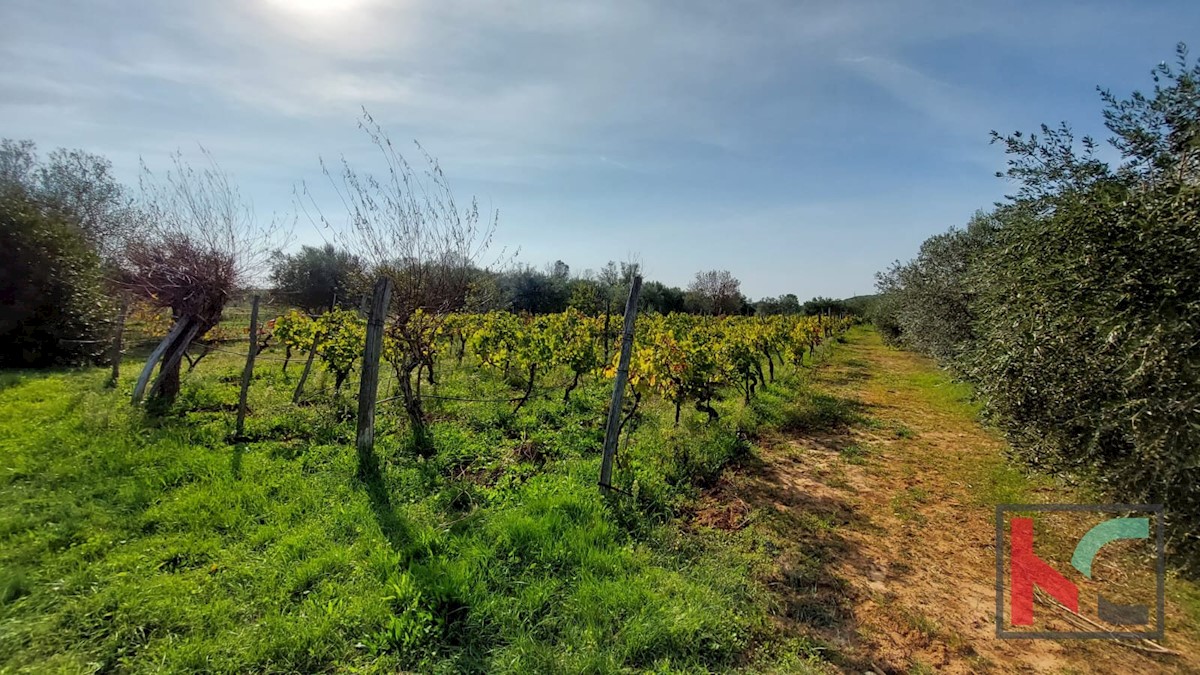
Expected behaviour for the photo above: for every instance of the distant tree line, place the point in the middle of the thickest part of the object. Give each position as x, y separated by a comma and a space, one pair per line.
1075, 305
317, 278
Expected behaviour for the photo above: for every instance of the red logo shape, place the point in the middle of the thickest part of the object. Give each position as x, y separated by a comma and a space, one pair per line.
1028, 570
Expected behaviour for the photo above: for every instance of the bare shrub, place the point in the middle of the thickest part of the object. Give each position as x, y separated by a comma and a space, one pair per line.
198, 244
407, 225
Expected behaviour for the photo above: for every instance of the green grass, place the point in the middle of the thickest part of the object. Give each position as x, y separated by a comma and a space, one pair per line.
992, 478
919, 667
905, 503
856, 454
944, 392
142, 545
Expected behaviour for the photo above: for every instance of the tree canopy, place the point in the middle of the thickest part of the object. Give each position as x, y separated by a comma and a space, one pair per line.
1074, 306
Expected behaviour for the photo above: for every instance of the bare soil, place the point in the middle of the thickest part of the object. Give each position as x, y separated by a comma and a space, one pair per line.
889, 554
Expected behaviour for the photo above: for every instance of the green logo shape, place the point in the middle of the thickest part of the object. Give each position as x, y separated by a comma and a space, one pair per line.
1103, 533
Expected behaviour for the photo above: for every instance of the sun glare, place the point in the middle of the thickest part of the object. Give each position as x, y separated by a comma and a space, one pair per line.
317, 9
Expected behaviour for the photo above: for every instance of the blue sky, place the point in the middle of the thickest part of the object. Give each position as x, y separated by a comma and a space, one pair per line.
802, 146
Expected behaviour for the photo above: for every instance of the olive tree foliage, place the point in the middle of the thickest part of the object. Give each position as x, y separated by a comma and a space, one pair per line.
823, 305
52, 307
928, 299
317, 279
198, 245
64, 219
1157, 134
784, 304
1086, 347
1075, 307
658, 297
76, 187
406, 224
526, 289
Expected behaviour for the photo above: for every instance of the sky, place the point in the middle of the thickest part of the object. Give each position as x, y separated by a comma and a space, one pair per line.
803, 146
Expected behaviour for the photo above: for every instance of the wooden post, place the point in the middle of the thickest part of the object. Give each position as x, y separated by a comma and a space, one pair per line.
249, 371
613, 430
172, 358
312, 351
117, 338
368, 387
139, 389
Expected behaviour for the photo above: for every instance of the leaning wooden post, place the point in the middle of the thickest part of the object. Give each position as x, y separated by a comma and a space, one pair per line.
118, 335
249, 371
139, 389
312, 351
368, 387
613, 430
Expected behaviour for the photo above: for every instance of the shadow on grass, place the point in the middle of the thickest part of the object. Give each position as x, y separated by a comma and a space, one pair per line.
12, 378
849, 375
815, 532
394, 528
818, 411
235, 461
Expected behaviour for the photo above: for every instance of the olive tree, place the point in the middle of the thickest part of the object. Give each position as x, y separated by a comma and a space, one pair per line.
929, 297
1074, 307
75, 187
317, 278
66, 221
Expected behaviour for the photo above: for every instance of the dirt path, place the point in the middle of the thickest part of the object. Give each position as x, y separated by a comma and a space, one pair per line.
890, 557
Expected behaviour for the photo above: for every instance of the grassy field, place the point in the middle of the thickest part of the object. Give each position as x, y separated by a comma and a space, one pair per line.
129, 544
806, 532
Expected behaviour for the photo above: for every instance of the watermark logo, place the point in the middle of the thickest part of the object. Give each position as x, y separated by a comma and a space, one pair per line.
1124, 600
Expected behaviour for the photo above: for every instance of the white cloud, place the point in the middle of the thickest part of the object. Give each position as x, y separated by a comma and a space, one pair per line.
529, 74
576, 113
951, 106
